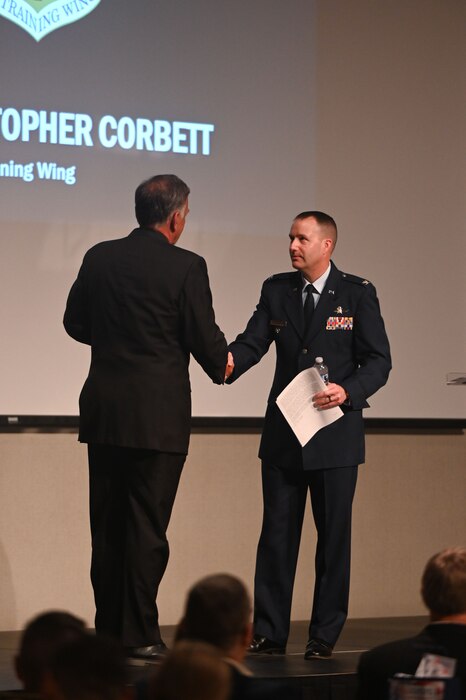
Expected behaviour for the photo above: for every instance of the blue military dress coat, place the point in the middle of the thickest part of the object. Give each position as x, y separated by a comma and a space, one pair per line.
348, 331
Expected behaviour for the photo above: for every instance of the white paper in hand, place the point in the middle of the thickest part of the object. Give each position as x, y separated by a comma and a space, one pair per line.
295, 402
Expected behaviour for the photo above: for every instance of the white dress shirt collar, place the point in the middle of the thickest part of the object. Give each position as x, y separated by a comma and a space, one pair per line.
318, 285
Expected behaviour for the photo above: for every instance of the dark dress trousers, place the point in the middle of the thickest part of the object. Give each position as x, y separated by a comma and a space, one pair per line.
403, 656
347, 330
144, 306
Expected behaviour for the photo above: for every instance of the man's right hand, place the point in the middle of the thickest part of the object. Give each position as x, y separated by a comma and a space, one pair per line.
230, 366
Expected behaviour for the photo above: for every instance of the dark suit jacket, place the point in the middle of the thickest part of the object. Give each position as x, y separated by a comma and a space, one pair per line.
347, 330
254, 688
404, 655
143, 305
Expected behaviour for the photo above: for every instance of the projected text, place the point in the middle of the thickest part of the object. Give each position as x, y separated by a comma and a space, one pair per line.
77, 129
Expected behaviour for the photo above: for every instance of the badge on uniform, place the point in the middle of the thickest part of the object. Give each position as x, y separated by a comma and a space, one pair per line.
339, 323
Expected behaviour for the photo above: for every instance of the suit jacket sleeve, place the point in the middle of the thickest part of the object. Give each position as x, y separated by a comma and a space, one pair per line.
251, 345
77, 313
202, 337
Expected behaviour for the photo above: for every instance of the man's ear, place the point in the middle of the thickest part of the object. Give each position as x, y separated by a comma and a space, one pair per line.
328, 244
49, 687
172, 222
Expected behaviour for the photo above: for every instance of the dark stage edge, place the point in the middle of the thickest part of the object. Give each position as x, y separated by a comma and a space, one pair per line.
331, 679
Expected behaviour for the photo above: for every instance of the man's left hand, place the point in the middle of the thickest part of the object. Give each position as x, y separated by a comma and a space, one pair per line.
333, 395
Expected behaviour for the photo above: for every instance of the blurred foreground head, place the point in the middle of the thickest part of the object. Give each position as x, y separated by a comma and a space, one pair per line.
218, 612
90, 668
43, 636
192, 671
443, 585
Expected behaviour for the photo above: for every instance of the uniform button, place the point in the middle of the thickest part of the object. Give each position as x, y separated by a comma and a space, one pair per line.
304, 351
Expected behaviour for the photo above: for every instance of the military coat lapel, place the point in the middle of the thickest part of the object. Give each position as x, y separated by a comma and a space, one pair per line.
294, 303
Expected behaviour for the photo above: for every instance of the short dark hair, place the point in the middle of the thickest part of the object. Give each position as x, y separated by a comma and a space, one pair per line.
89, 668
324, 220
192, 670
40, 641
218, 609
443, 585
159, 197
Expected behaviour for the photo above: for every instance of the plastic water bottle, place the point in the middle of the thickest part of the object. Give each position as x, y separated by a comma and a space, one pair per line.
322, 369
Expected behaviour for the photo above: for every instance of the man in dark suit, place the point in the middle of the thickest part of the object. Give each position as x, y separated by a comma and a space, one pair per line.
340, 322
443, 591
143, 305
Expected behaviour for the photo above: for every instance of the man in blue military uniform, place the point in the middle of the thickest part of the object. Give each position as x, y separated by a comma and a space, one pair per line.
340, 322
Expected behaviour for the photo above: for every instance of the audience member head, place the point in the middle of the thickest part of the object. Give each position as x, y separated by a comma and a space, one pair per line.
89, 668
443, 586
40, 641
159, 198
218, 611
192, 671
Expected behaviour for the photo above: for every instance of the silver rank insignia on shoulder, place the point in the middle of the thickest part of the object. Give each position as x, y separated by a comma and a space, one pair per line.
365, 281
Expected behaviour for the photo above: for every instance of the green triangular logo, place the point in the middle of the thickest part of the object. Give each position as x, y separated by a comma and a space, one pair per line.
40, 17
38, 5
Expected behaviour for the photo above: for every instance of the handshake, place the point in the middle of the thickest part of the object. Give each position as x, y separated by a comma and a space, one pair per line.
230, 366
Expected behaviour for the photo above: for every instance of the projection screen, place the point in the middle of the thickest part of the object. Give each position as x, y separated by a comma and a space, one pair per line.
265, 109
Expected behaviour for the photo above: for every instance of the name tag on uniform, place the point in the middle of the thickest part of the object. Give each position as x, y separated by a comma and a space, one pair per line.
339, 323
277, 325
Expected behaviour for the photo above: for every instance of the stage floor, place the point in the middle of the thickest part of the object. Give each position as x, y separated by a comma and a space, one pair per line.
332, 678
